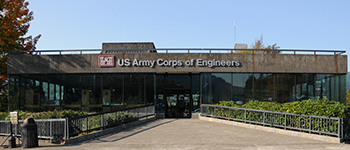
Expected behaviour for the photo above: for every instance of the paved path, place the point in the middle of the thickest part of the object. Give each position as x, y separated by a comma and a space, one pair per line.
196, 134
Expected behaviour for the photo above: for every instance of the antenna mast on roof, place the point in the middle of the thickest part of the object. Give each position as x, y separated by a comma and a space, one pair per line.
235, 30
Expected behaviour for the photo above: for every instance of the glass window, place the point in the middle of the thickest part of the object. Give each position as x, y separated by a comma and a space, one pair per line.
221, 85
134, 89
178, 81
324, 86
284, 84
205, 88
14, 92
113, 90
150, 89
332, 88
160, 93
195, 92
46, 91
242, 87
342, 88
52, 91
50, 87
91, 92
72, 93
32, 93
264, 87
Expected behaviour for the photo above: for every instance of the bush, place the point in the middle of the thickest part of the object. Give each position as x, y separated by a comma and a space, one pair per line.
3, 115
348, 99
45, 115
307, 107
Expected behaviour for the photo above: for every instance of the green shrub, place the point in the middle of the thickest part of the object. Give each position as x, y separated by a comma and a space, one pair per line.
307, 107
45, 115
348, 99
3, 115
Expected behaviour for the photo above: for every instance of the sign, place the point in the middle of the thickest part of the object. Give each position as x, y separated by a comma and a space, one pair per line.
106, 60
14, 117
178, 63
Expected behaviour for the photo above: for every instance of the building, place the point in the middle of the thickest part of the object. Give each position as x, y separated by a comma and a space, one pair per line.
176, 81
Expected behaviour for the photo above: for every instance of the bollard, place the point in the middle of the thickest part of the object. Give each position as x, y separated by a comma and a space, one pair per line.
29, 133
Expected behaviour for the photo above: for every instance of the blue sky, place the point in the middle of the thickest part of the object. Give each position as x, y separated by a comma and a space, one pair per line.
297, 24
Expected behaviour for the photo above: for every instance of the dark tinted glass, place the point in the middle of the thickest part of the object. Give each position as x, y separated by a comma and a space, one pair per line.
72, 93
242, 87
221, 86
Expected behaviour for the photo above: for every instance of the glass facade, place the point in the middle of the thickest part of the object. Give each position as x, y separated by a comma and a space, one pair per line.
243, 87
108, 91
87, 92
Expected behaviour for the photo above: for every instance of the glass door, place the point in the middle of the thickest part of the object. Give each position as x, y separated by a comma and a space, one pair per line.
178, 103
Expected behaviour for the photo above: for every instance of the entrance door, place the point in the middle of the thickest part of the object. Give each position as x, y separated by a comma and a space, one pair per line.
178, 103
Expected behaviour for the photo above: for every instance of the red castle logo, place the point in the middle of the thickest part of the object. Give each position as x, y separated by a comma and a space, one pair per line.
106, 60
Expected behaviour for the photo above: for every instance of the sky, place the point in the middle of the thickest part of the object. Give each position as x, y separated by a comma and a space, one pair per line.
86, 24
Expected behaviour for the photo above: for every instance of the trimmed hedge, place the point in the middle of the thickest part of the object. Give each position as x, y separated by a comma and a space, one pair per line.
307, 107
44, 115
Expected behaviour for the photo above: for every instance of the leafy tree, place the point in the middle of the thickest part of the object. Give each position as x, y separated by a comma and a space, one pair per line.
14, 24
348, 99
261, 48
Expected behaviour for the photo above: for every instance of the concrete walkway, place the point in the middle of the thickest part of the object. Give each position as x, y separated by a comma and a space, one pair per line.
196, 134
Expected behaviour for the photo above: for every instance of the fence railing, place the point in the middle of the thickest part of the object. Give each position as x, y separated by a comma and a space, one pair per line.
47, 128
307, 123
63, 129
179, 50
98, 121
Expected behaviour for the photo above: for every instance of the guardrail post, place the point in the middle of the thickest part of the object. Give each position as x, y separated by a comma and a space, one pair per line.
310, 124
214, 111
101, 120
51, 130
15, 129
339, 121
65, 129
285, 121
264, 118
8, 128
86, 122
229, 113
245, 115
342, 128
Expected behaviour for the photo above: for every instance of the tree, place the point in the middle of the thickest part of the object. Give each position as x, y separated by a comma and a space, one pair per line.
261, 48
14, 24
348, 99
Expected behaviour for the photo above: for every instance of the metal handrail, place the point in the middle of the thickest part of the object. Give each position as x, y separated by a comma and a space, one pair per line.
289, 119
77, 125
275, 112
169, 50
101, 113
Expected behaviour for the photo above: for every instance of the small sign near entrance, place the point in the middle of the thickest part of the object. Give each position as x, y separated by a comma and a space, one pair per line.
14, 117
106, 60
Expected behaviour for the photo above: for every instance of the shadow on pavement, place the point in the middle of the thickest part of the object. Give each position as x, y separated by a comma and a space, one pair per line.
99, 139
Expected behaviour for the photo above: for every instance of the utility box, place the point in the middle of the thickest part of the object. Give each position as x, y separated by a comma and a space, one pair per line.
29, 133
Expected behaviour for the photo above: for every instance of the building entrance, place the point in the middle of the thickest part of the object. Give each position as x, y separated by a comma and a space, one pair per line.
178, 103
